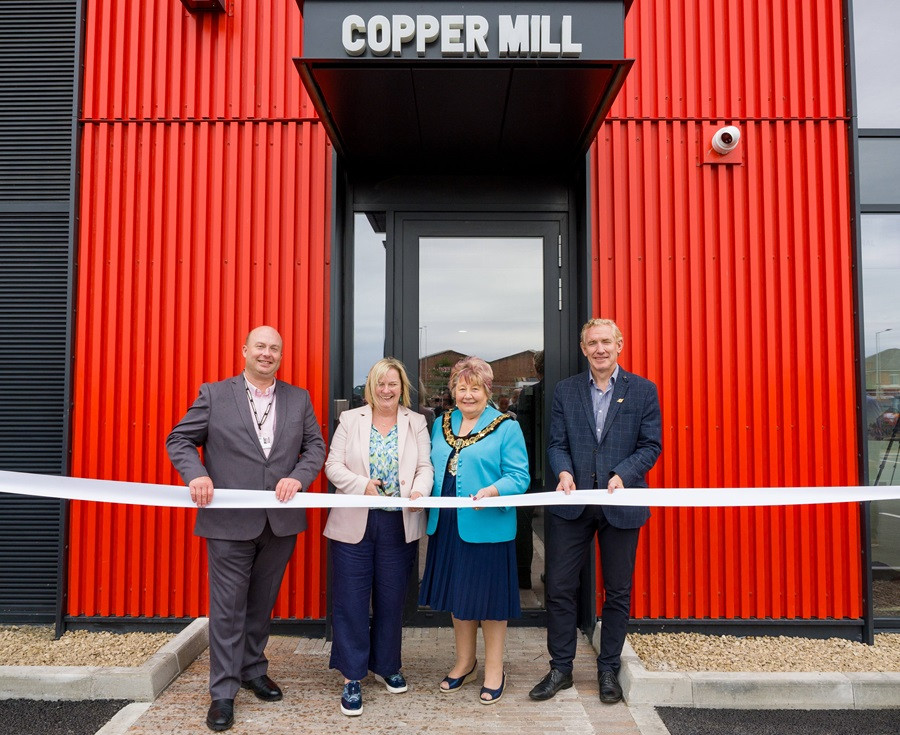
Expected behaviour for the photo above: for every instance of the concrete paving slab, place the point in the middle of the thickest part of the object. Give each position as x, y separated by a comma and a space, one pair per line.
312, 694
188, 644
771, 691
123, 719
642, 687
46, 682
875, 690
648, 720
654, 688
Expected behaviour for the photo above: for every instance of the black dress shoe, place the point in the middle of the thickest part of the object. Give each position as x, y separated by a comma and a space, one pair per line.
264, 688
220, 715
550, 685
610, 690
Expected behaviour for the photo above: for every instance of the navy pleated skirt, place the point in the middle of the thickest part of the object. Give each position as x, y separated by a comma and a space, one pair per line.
472, 581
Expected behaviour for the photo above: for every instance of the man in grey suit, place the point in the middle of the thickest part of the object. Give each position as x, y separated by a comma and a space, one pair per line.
605, 432
257, 433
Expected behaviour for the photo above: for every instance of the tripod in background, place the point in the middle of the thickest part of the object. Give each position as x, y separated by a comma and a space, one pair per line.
887, 453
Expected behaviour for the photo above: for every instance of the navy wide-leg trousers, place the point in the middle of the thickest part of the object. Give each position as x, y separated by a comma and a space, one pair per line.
375, 571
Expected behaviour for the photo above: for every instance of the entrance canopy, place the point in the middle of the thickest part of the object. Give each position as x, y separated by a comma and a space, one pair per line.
449, 86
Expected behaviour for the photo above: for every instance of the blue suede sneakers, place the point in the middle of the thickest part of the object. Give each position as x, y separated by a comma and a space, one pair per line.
351, 699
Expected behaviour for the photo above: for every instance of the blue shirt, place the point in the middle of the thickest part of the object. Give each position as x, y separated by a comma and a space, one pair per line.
601, 399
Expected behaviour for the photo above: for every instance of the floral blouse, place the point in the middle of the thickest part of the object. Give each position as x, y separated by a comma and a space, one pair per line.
384, 462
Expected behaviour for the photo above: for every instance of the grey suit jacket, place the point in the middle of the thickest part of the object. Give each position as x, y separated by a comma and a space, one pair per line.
221, 423
629, 446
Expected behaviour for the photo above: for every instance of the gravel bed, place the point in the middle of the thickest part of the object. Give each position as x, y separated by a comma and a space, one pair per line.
27, 645
696, 652
35, 646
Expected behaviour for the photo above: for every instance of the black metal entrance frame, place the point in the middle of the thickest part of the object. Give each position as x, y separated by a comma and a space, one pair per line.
445, 141
407, 207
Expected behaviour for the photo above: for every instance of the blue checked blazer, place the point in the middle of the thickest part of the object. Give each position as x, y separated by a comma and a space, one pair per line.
629, 446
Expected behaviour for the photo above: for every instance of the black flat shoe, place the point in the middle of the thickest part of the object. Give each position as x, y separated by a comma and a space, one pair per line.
264, 688
221, 714
550, 685
610, 689
453, 684
494, 693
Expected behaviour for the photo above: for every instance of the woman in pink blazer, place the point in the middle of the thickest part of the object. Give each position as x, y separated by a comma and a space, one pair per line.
381, 448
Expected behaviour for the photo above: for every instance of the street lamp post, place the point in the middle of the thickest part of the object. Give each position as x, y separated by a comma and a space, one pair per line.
878, 362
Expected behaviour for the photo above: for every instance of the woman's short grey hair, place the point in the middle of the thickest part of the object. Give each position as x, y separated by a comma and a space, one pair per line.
472, 370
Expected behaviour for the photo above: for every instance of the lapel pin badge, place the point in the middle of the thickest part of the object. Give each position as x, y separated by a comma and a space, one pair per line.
620, 400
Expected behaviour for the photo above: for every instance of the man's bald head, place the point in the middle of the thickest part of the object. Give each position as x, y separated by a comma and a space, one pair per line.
262, 355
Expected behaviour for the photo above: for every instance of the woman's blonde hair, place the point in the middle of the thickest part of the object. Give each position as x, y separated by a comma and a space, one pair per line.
378, 371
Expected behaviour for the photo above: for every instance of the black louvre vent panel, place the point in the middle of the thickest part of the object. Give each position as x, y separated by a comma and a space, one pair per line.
37, 63
29, 558
33, 285
38, 83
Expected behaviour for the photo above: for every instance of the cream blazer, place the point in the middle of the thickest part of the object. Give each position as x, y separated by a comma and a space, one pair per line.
347, 467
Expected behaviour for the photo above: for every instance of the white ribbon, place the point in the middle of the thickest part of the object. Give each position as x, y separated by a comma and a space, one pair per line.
143, 493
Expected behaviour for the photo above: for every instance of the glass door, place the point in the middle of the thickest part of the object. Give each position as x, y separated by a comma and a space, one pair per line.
484, 296
488, 287
432, 289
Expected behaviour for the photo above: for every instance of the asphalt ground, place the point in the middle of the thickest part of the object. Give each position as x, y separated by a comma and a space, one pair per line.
34, 717
37, 717
685, 721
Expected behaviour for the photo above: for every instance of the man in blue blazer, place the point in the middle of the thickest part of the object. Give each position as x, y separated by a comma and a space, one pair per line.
605, 432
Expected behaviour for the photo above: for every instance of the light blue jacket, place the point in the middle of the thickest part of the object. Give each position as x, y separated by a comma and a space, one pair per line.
499, 459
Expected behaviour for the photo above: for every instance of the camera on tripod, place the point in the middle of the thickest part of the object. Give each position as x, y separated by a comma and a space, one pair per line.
885, 427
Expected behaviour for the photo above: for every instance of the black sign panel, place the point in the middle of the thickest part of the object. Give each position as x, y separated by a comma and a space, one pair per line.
340, 29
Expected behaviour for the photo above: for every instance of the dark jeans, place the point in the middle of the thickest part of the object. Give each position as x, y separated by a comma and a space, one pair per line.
568, 544
375, 570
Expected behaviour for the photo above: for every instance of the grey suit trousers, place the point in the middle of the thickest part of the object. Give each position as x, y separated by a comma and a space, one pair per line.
244, 579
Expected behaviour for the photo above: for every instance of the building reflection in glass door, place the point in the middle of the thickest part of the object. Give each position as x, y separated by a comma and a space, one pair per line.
484, 296
369, 289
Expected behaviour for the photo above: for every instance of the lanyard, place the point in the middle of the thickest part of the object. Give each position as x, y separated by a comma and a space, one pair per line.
259, 421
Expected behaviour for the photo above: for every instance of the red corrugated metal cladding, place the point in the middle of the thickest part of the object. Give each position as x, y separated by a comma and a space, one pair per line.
733, 285
204, 211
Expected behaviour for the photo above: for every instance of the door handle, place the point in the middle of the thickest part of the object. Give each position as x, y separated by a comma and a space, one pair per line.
340, 405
